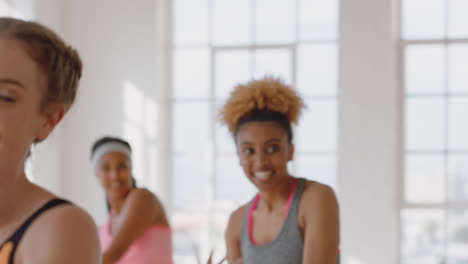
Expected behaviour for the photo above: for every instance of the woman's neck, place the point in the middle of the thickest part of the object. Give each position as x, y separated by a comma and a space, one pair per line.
11, 186
277, 197
116, 205
16, 194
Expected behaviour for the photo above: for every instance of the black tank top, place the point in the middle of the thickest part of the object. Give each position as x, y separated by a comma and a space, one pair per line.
8, 248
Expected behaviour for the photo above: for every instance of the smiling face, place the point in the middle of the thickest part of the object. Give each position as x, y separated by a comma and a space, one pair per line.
114, 172
22, 121
264, 152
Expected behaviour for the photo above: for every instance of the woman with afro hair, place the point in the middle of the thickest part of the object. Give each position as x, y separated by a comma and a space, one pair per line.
291, 219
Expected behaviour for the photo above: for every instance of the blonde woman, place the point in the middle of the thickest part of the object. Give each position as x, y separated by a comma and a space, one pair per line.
39, 77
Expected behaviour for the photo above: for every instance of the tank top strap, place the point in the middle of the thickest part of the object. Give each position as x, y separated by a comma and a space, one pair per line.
291, 206
19, 233
287, 247
298, 192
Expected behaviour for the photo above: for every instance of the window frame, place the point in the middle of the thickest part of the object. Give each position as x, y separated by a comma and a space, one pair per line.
446, 152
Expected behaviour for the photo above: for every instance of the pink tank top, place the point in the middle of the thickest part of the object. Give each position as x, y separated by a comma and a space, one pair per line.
153, 246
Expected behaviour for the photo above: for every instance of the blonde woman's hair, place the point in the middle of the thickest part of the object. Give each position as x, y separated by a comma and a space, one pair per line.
60, 63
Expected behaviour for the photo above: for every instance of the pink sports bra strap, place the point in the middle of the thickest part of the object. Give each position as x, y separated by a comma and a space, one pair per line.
254, 206
291, 194
250, 219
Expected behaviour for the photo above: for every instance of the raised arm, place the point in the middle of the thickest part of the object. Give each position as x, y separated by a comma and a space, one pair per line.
319, 211
232, 236
141, 209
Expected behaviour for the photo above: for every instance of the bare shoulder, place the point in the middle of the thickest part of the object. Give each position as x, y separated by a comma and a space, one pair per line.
235, 222
232, 236
319, 223
317, 189
64, 234
317, 196
65, 218
142, 195
141, 199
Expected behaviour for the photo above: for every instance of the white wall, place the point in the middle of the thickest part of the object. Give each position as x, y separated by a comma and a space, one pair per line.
116, 40
368, 155
48, 167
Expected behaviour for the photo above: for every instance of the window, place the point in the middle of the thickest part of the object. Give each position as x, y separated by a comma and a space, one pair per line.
217, 44
7, 8
434, 52
140, 129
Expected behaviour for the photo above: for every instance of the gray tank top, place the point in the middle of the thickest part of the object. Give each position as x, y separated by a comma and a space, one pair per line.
286, 248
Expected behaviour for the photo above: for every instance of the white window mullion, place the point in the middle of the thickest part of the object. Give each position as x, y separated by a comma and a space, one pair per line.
165, 84
367, 146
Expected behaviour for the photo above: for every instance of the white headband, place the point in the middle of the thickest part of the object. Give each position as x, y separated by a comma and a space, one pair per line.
110, 147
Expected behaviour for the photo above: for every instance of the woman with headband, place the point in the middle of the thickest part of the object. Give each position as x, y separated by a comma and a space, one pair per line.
290, 220
39, 76
137, 230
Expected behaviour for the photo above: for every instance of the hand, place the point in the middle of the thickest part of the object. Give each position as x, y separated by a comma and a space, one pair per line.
238, 261
107, 259
210, 259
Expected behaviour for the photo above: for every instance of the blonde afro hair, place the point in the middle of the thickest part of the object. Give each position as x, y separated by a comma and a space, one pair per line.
268, 94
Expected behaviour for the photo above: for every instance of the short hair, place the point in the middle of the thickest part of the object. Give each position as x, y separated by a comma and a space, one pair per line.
60, 63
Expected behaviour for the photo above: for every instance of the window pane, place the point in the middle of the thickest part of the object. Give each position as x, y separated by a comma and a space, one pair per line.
232, 22
274, 21
458, 237
424, 124
191, 73
190, 22
133, 103
458, 177
321, 168
13, 10
317, 70
317, 129
232, 68
220, 222
318, 20
224, 140
424, 69
276, 62
152, 168
424, 178
190, 185
458, 123
151, 118
423, 19
422, 236
458, 19
231, 183
189, 236
191, 127
458, 68
4, 8
135, 137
